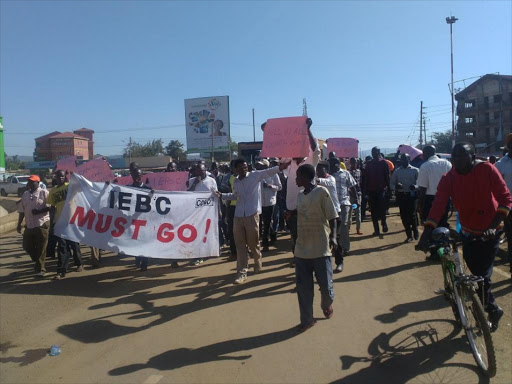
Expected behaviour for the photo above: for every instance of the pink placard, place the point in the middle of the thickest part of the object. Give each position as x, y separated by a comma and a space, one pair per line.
162, 181
123, 180
286, 137
67, 164
95, 170
343, 146
167, 181
411, 151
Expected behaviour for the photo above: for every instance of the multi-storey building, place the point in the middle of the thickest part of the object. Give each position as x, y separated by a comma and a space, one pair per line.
58, 145
484, 113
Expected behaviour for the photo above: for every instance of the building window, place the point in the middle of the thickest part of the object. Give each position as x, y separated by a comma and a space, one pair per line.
470, 134
469, 120
497, 98
486, 101
486, 118
497, 115
469, 104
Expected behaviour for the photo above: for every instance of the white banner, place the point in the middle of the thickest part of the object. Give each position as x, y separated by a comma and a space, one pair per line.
206, 116
136, 222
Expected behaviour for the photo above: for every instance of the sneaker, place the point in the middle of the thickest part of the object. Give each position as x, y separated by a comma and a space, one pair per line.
59, 276
339, 268
494, 318
359, 232
257, 269
174, 264
79, 268
198, 261
41, 274
328, 312
385, 228
241, 278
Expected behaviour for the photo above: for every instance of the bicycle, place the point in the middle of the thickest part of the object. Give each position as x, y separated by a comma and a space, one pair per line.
461, 292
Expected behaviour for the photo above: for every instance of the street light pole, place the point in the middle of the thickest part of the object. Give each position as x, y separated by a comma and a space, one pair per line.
451, 20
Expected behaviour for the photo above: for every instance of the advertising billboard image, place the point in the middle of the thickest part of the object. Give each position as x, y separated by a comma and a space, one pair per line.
207, 118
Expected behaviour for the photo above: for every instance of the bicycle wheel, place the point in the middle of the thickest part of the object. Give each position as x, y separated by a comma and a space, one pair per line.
478, 332
449, 295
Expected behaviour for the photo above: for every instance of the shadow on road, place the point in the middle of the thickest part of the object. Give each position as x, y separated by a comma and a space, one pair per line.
183, 357
401, 310
381, 272
418, 351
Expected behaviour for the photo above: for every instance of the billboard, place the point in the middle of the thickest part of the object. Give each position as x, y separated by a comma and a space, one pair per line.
207, 124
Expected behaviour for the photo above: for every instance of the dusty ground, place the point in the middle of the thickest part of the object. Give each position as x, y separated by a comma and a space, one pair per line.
117, 325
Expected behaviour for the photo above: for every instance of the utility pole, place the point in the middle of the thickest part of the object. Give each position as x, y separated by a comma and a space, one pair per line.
421, 125
130, 150
425, 130
253, 127
451, 20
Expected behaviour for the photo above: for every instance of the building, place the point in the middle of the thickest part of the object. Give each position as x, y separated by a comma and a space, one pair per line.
58, 145
484, 113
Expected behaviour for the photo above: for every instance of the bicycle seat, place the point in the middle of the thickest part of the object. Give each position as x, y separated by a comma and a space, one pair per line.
441, 234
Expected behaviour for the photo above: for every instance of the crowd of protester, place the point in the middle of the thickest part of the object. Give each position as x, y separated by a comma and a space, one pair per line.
316, 202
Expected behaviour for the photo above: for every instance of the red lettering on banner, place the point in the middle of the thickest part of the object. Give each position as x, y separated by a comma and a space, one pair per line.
165, 237
82, 219
137, 224
119, 223
191, 237
100, 227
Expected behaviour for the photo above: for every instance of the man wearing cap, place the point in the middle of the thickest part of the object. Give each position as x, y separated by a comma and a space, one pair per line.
504, 166
33, 207
269, 188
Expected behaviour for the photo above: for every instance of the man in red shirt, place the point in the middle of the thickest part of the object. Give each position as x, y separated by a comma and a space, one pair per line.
483, 201
377, 186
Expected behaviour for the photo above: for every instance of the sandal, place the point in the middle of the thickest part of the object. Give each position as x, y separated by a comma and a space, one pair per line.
328, 312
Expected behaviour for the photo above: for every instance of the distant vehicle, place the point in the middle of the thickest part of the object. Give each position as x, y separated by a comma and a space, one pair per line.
14, 185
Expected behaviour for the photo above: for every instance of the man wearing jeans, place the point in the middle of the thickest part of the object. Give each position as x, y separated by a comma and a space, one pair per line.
65, 248
345, 187
34, 209
316, 215
505, 168
482, 199
247, 192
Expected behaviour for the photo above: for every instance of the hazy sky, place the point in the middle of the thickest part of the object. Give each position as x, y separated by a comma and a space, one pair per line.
123, 68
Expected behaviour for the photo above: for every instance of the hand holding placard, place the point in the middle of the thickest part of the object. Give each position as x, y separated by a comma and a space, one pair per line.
286, 137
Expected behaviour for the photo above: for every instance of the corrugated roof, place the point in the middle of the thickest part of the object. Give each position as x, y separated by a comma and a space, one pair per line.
483, 78
66, 135
48, 135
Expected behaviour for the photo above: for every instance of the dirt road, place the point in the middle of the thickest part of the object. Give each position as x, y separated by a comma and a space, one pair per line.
192, 325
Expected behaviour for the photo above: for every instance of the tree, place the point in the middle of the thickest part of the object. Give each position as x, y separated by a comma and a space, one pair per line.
152, 148
13, 163
443, 141
175, 150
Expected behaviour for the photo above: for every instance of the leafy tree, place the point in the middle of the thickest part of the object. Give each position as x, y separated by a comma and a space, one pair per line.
151, 148
175, 150
443, 141
13, 163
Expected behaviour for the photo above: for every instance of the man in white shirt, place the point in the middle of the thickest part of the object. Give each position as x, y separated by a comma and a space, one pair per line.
269, 188
247, 192
429, 176
504, 166
345, 188
202, 183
